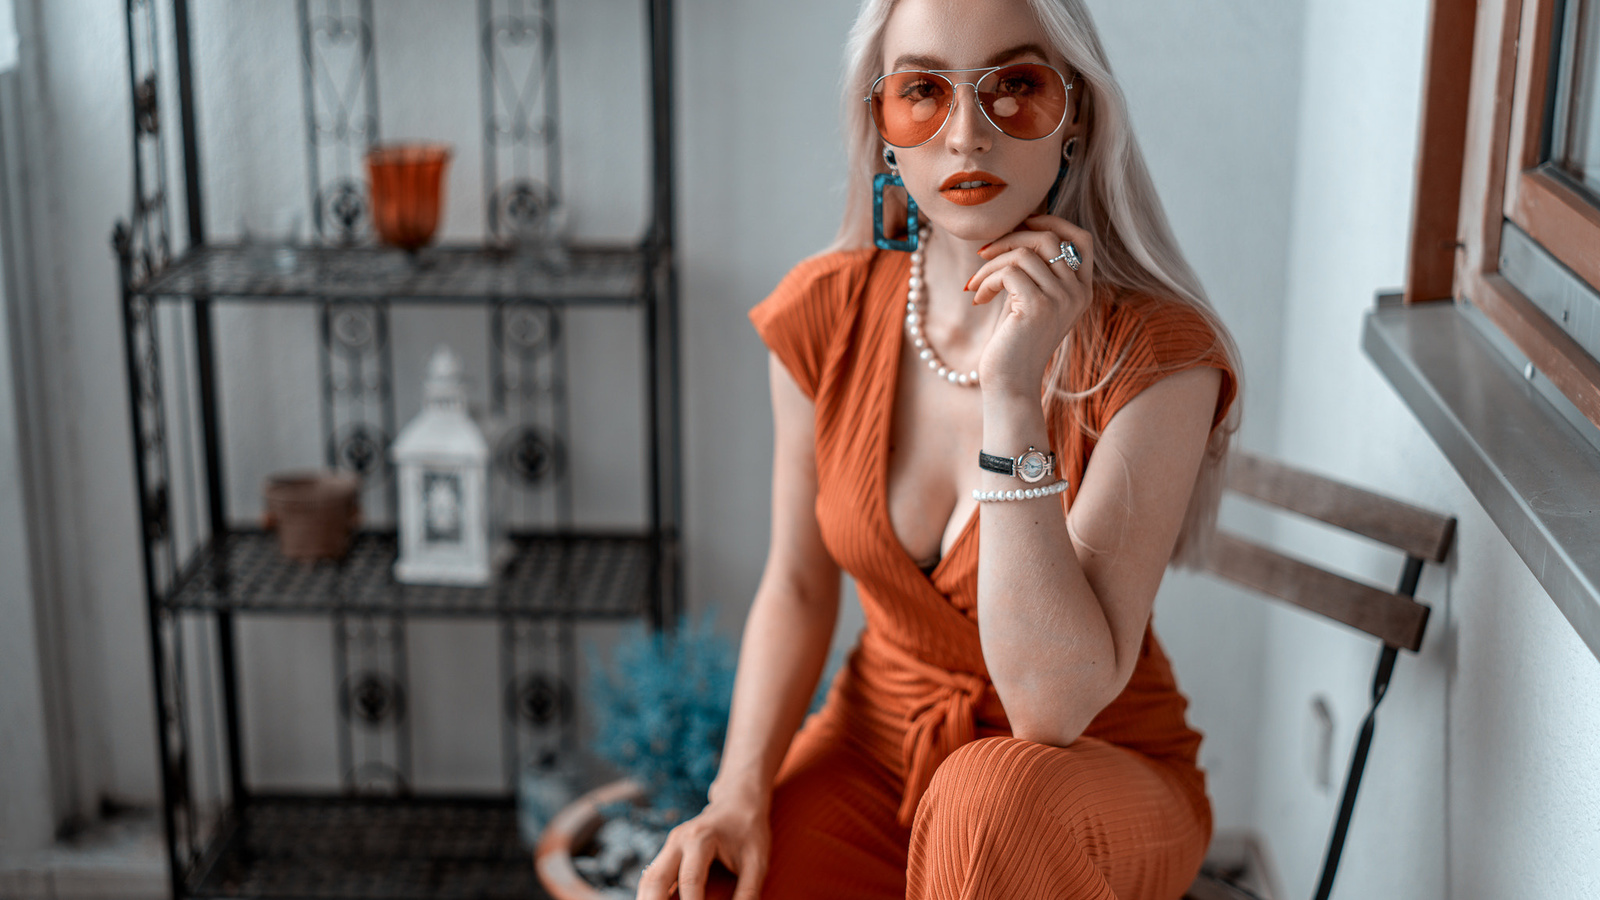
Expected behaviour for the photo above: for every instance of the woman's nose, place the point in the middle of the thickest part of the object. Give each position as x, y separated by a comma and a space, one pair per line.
969, 129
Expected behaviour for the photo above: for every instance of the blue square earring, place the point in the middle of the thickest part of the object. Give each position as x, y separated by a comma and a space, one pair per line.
879, 236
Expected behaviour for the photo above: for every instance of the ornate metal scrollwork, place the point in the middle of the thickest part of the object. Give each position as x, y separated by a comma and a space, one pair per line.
529, 328
539, 699
522, 162
362, 448
146, 104
339, 81
342, 211
356, 329
373, 699
532, 455
522, 211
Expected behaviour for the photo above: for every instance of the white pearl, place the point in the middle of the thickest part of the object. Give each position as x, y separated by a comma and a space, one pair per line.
1011, 495
962, 380
912, 318
943, 371
926, 354
933, 363
917, 341
973, 375
954, 377
916, 282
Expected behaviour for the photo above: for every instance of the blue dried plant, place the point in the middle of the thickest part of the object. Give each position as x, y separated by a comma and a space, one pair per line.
661, 712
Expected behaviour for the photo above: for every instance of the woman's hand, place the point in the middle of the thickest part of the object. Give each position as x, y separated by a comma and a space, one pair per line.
736, 833
1043, 300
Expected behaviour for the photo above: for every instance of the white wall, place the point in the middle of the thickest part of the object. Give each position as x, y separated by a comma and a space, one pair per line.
1482, 778
26, 817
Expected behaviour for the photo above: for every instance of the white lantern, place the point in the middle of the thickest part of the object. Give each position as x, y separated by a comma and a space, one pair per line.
448, 533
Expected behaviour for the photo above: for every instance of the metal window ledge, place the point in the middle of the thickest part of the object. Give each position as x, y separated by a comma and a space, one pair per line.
1535, 470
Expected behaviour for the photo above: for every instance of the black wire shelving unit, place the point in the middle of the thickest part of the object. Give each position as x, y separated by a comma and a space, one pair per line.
378, 835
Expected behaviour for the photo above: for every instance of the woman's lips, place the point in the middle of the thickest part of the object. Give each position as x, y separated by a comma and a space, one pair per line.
973, 196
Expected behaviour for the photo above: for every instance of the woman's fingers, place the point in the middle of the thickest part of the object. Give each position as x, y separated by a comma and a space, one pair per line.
752, 872
1066, 232
657, 880
991, 281
695, 869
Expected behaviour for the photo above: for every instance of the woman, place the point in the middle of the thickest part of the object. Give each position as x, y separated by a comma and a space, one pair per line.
1008, 725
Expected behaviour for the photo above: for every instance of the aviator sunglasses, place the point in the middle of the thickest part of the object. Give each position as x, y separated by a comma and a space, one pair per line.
1027, 101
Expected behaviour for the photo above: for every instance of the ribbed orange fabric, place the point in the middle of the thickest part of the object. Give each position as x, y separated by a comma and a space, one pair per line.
892, 775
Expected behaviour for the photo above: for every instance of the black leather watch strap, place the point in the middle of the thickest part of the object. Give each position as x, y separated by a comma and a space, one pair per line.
1004, 465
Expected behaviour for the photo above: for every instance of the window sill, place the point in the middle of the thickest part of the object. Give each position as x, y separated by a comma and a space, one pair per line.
1534, 471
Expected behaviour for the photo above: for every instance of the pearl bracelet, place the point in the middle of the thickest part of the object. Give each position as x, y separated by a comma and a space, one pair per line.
1048, 490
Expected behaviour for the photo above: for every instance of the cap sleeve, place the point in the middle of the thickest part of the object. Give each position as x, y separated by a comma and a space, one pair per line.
798, 320
1161, 338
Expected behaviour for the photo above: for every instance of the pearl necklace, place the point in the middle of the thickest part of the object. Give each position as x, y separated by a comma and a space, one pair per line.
916, 311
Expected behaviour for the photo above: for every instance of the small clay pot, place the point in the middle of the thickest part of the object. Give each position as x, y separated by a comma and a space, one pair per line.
569, 831
314, 512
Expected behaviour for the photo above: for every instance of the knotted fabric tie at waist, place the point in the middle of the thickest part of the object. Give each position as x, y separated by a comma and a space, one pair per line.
943, 710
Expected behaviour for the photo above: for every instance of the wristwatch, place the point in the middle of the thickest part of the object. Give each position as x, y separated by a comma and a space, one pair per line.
1032, 466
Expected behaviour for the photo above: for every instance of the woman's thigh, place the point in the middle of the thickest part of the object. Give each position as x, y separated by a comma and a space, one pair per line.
834, 832
1010, 818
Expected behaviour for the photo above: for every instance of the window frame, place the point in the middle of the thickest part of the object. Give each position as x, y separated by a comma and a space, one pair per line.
1481, 138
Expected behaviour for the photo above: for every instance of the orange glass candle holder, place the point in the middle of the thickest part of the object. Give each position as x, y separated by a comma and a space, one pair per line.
407, 184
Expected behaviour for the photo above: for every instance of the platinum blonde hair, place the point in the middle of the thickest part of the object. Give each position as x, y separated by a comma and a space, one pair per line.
1109, 193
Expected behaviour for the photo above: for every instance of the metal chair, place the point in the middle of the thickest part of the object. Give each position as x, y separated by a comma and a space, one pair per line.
1394, 618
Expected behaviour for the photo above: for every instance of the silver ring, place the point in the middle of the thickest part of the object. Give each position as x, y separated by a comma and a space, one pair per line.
1070, 254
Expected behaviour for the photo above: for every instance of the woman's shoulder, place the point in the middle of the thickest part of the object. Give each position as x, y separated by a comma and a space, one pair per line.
802, 315
842, 268
1152, 335
1164, 329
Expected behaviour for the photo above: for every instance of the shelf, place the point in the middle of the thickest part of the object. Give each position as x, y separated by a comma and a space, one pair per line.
306, 847
587, 576
614, 274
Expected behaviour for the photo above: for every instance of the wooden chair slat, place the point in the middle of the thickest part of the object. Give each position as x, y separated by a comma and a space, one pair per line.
1410, 529
1394, 619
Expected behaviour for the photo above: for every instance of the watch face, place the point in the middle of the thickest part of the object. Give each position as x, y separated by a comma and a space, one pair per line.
1032, 466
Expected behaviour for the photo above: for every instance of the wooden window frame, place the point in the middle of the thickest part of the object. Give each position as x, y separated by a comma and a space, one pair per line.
1483, 117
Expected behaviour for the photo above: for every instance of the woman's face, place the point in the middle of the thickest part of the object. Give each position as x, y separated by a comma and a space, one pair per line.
961, 34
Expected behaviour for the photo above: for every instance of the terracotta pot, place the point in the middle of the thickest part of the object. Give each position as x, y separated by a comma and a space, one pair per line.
569, 831
314, 512
407, 184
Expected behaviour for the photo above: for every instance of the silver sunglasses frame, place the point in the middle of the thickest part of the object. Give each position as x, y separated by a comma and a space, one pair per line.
955, 91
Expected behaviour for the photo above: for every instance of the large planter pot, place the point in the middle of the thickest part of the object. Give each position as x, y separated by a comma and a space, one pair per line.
569, 831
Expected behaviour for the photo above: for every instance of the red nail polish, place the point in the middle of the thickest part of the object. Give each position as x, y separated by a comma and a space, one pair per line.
984, 247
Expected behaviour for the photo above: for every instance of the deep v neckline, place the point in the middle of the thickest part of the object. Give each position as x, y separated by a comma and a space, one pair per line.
885, 430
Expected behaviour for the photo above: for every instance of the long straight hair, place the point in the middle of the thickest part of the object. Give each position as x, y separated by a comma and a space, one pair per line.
1108, 193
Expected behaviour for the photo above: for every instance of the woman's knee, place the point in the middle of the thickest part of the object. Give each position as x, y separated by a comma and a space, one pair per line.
987, 779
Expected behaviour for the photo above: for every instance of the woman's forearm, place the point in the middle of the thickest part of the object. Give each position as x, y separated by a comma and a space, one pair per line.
1046, 639
781, 657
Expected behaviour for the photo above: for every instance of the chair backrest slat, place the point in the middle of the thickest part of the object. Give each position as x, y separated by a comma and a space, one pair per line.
1392, 618
1410, 529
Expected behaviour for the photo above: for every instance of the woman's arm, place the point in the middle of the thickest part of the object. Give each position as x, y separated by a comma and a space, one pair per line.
785, 645
1063, 604
792, 618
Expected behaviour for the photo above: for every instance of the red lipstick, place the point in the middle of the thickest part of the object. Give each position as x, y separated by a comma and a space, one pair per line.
988, 187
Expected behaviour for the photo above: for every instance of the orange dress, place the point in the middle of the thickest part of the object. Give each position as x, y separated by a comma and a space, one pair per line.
907, 783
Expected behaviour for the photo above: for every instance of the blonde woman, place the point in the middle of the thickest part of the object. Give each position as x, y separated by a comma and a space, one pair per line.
1029, 354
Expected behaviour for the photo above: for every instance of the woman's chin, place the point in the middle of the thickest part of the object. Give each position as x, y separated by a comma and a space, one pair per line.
980, 229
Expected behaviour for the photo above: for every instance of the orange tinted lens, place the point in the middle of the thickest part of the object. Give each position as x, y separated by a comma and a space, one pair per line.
1026, 101
909, 107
